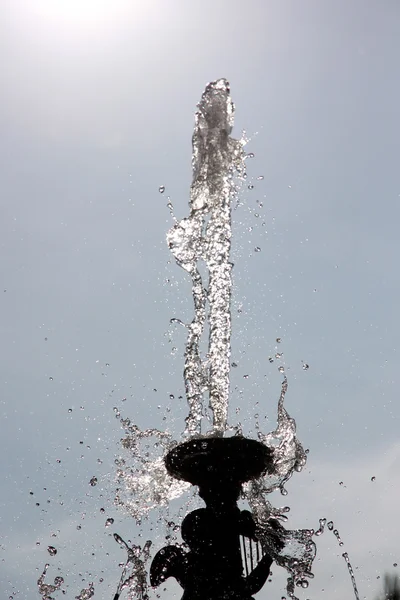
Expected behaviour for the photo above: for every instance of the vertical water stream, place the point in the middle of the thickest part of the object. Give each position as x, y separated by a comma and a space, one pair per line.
205, 237
201, 244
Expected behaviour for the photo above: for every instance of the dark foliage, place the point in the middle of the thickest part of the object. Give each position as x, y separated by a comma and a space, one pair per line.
391, 588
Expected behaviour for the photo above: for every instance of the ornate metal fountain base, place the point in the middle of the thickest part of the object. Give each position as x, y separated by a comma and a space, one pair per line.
211, 569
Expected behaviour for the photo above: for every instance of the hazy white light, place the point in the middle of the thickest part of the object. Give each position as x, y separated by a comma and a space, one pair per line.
82, 12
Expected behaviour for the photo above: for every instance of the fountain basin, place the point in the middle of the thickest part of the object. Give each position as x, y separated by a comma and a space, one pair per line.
201, 461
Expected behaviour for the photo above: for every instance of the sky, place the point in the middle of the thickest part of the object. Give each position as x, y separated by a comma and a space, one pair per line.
96, 113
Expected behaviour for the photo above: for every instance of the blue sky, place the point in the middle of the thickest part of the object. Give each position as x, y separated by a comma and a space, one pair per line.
96, 113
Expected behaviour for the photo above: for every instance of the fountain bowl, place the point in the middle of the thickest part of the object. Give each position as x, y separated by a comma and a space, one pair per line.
221, 460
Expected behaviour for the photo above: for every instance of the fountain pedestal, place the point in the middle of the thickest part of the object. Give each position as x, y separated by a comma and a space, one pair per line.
212, 568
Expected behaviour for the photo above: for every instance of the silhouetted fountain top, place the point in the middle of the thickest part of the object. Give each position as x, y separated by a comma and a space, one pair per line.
201, 461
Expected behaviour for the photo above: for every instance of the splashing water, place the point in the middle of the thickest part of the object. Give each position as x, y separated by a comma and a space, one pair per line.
134, 577
86, 593
330, 526
292, 549
143, 482
45, 589
205, 235
351, 572
204, 238
288, 452
298, 550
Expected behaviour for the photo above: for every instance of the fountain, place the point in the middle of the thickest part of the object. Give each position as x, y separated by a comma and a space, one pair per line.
213, 561
226, 552
223, 468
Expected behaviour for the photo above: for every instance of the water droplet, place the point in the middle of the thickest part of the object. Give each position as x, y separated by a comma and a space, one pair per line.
161, 189
70, 410
118, 538
51, 378
51, 550
79, 527
250, 187
109, 522
395, 564
257, 249
278, 340
93, 481
373, 478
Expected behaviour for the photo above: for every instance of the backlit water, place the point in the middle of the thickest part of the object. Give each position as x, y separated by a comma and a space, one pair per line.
201, 243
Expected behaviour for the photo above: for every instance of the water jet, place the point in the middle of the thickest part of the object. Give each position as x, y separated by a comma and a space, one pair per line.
210, 564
